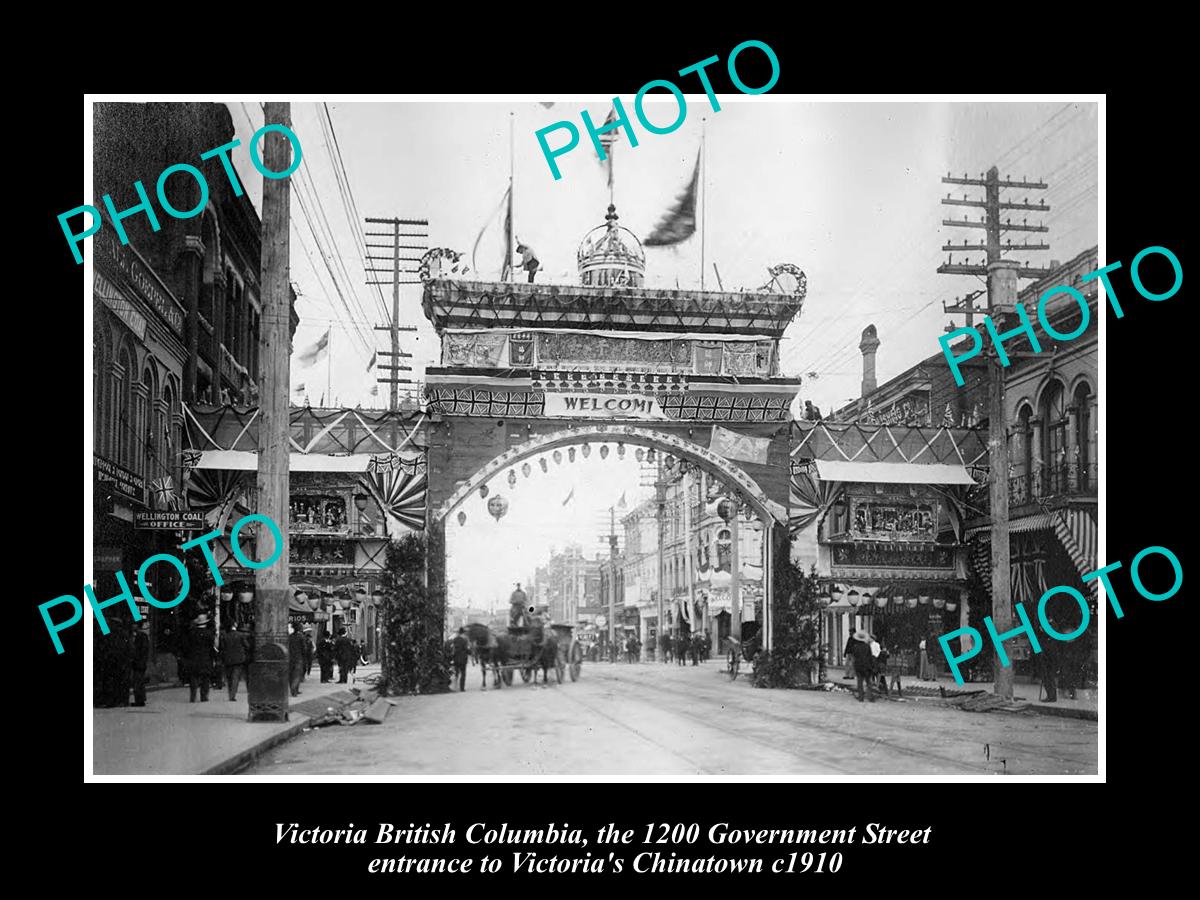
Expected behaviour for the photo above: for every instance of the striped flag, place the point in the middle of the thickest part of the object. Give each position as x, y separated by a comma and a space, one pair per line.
607, 139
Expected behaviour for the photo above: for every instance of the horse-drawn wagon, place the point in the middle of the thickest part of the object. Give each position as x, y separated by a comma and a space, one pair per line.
526, 649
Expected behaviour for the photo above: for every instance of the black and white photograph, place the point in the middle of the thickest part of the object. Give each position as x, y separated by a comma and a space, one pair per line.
532, 438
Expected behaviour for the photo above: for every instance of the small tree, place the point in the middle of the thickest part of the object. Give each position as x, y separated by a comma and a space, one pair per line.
794, 612
414, 659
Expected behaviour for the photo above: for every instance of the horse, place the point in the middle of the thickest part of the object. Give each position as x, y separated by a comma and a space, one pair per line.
545, 655
488, 648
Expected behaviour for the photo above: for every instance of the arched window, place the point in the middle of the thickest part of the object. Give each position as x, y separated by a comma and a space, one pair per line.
1085, 438
1023, 458
172, 438
724, 545
1054, 415
125, 426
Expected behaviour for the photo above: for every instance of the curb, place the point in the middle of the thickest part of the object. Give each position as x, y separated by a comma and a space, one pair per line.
243, 758
1090, 715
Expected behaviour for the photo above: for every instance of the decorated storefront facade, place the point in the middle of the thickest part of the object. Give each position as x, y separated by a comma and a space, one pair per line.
357, 482
879, 512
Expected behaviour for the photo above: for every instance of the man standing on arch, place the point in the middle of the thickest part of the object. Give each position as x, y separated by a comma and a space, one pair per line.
518, 605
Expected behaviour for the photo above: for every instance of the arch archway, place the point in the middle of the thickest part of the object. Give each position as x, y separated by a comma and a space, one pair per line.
637, 435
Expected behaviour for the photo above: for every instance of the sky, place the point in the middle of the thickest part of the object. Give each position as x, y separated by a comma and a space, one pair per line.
849, 192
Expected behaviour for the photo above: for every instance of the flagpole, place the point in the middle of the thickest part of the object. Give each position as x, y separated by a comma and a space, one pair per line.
703, 197
329, 363
511, 176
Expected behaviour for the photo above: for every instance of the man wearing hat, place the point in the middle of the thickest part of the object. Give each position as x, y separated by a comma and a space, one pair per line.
199, 657
235, 653
864, 664
309, 648
297, 649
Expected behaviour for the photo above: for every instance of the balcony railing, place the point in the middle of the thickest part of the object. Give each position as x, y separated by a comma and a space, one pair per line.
1064, 479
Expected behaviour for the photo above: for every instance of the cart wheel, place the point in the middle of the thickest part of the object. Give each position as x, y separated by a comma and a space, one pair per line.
576, 662
506, 674
526, 674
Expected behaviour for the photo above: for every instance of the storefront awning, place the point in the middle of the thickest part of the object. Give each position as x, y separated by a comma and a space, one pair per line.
893, 473
1037, 522
247, 461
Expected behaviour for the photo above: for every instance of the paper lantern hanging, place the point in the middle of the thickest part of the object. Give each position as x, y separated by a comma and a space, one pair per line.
898, 599
587, 450
620, 451
951, 606
497, 506
377, 598
462, 517
852, 597
570, 454
245, 596
512, 478
543, 464
640, 454
670, 461
836, 593
604, 451
881, 601
650, 455
558, 457
226, 596
924, 599
939, 602
483, 491
912, 602
526, 469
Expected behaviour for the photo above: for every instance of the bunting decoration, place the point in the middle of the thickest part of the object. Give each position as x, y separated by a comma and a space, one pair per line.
384, 463
401, 494
214, 493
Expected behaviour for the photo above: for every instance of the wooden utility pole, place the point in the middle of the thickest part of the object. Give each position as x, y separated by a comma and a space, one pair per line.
394, 327
612, 582
735, 599
268, 674
1002, 275
660, 498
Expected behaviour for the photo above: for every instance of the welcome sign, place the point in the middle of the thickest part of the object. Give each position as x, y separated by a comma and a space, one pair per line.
602, 406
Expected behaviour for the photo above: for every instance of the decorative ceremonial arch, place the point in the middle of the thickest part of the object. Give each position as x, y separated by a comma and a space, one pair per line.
638, 435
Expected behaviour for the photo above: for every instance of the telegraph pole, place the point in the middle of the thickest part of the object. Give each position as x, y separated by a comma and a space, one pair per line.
394, 328
268, 676
612, 583
1002, 275
660, 498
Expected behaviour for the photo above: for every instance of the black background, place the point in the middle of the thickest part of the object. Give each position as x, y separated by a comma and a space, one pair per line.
1019, 836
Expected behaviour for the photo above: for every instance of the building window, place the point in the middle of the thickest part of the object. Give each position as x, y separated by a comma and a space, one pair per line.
723, 550
124, 413
1054, 414
1085, 439
1022, 489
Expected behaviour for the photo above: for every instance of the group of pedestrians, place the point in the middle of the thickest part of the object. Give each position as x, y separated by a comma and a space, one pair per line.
867, 661
343, 650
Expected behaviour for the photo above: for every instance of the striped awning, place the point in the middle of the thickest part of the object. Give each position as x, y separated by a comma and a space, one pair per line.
1076, 529
1037, 522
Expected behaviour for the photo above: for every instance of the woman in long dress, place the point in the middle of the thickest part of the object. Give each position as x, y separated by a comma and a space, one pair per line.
925, 667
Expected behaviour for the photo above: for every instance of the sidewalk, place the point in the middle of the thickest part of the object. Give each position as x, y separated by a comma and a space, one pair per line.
1083, 707
171, 736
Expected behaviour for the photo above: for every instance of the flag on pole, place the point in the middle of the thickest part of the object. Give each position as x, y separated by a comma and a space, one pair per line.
607, 139
569, 496
371, 364
316, 352
679, 222
621, 502
491, 235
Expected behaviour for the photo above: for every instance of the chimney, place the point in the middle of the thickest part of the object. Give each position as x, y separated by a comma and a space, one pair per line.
868, 345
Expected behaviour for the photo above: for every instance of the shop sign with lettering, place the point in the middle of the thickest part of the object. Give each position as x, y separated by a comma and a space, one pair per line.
122, 479
169, 520
132, 271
